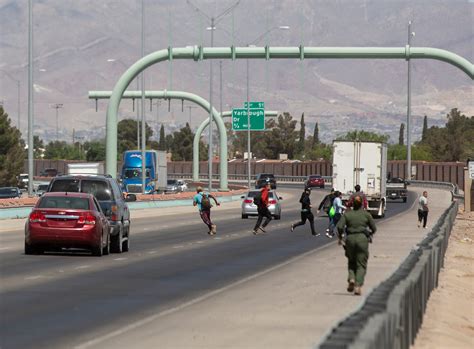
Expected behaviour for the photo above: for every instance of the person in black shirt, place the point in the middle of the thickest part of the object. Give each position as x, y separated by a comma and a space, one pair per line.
306, 213
326, 204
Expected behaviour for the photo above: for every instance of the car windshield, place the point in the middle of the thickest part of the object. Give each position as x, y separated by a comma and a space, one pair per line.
172, 182
266, 175
64, 202
7, 190
135, 173
314, 177
42, 186
66, 185
99, 189
252, 194
395, 180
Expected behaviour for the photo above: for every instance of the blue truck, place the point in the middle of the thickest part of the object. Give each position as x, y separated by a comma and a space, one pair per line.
155, 169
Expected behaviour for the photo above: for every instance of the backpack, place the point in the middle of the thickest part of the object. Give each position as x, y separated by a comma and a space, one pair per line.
257, 200
332, 212
205, 202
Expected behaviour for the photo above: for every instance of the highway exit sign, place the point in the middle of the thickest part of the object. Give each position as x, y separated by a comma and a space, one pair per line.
255, 105
240, 120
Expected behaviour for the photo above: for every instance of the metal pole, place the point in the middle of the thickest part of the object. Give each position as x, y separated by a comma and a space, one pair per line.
249, 158
143, 105
210, 112
138, 114
57, 122
409, 108
18, 109
30, 98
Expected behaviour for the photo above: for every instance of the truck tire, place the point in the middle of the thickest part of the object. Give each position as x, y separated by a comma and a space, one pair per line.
244, 216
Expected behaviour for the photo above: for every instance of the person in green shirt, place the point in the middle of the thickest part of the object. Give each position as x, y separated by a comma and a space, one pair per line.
355, 223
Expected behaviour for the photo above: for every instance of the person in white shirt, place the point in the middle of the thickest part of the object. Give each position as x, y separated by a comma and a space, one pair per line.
423, 209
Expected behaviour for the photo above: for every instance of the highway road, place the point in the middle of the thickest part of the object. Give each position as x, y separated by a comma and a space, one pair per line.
62, 300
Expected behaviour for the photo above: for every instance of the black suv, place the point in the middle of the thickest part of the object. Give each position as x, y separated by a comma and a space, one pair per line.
107, 192
263, 178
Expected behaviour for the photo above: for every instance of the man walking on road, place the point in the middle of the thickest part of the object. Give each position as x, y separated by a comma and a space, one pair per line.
261, 200
354, 223
306, 213
203, 202
423, 209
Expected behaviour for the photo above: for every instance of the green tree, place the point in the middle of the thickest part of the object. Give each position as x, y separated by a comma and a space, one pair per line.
127, 135
365, 136
315, 135
60, 150
425, 128
460, 136
162, 140
302, 135
181, 145
401, 134
38, 147
95, 150
11, 151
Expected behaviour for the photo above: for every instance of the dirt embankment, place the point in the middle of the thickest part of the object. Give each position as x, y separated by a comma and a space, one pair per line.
449, 317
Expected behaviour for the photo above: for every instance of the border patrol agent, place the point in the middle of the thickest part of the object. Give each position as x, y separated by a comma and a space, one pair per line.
355, 223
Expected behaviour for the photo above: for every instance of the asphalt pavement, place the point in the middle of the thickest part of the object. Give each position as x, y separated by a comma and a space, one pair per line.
60, 300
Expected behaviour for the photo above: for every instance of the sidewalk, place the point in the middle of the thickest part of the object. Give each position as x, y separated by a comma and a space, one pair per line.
449, 318
292, 305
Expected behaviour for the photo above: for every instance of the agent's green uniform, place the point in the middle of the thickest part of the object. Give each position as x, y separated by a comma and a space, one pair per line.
357, 243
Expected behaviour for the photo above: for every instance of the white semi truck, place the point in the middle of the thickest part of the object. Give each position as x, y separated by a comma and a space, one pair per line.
363, 163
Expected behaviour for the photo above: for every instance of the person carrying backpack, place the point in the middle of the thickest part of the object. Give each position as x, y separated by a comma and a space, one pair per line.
338, 208
326, 204
203, 202
306, 213
261, 200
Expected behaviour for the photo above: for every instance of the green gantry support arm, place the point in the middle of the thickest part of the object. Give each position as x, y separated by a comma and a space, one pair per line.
223, 184
198, 134
199, 53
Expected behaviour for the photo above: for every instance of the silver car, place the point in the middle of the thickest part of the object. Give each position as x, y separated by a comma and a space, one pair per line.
176, 186
250, 209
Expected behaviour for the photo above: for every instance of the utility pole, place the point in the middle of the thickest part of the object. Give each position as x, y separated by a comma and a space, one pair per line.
57, 106
190, 107
30, 98
410, 34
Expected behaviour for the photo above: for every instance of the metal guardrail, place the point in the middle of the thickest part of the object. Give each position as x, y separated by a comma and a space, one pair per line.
244, 177
393, 312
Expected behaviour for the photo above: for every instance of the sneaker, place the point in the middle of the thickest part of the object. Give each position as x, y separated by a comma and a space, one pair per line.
255, 232
262, 229
329, 236
350, 286
419, 225
327, 230
292, 228
358, 290
315, 234
214, 229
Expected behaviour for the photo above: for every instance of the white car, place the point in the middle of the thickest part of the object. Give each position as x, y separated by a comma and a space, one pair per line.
176, 186
250, 209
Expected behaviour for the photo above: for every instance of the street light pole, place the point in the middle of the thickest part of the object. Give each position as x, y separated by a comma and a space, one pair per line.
30, 98
143, 105
410, 34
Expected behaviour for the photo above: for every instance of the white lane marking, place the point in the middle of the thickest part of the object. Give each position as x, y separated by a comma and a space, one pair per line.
153, 317
152, 252
200, 242
120, 259
33, 277
216, 238
82, 267
146, 229
178, 246
4, 248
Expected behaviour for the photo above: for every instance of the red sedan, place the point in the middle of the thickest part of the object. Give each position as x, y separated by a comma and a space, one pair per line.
315, 181
67, 220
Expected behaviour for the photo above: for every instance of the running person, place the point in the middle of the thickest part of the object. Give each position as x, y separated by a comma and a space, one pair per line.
326, 204
339, 209
262, 208
203, 202
306, 213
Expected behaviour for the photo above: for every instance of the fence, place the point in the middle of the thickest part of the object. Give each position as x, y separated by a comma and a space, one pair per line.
424, 171
393, 312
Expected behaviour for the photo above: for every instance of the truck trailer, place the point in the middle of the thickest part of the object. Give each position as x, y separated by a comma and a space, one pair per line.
365, 164
85, 168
